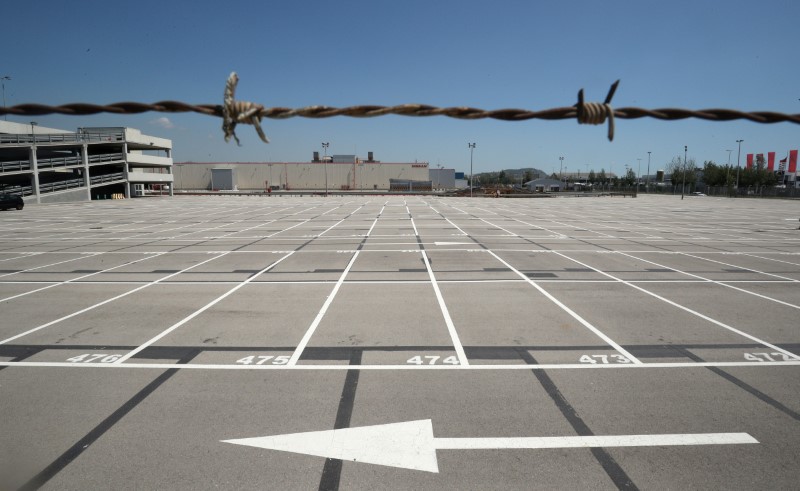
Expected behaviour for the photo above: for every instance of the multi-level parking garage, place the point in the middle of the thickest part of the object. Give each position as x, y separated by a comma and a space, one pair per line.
47, 165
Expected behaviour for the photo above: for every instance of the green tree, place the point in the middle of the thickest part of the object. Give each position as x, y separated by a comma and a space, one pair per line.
676, 168
592, 177
602, 176
630, 178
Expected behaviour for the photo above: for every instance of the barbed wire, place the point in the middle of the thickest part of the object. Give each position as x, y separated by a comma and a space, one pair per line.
234, 112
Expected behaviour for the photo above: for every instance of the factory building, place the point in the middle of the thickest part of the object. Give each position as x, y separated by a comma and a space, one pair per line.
334, 173
49, 165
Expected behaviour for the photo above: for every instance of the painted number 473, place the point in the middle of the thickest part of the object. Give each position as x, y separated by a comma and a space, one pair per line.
603, 359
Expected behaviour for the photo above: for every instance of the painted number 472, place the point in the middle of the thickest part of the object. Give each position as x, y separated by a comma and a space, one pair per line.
769, 357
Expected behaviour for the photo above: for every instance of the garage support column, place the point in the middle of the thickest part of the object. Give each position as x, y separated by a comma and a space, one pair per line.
125, 170
169, 169
35, 176
86, 179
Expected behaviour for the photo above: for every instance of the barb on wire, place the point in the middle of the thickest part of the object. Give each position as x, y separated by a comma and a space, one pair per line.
234, 112
595, 113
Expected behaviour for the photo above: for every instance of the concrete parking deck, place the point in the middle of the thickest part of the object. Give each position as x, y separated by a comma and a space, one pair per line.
142, 341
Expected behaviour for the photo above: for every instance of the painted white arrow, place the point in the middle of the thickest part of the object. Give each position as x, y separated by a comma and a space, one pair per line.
411, 445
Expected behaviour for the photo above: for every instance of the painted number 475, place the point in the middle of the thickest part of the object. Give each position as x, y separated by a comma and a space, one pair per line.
431, 360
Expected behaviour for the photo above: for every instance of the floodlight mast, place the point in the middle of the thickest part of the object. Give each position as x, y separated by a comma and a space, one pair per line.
471, 177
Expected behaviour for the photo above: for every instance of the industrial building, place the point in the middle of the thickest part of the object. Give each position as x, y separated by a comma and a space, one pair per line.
332, 173
49, 165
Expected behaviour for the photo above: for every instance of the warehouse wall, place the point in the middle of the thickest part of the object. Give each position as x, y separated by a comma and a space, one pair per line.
300, 175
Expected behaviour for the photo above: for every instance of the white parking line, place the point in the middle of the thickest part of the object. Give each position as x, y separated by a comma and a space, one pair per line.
99, 304
82, 255
498, 367
686, 309
569, 311
725, 284
197, 312
80, 277
740, 267
451, 328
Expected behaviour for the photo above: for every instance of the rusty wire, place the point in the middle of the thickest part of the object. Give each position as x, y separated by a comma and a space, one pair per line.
251, 113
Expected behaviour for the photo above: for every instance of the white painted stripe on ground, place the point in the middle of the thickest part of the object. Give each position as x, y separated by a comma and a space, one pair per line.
533, 442
79, 278
770, 259
451, 328
91, 307
726, 284
23, 256
328, 301
740, 267
569, 311
82, 255
197, 312
550, 366
687, 309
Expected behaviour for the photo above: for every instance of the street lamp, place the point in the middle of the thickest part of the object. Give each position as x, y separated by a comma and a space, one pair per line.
471, 177
33, 133
738, 156
561, 171
683, 188
3, 83
325, 160
647, 179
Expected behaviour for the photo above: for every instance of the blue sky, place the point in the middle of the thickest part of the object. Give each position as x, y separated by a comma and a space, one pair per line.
491, 55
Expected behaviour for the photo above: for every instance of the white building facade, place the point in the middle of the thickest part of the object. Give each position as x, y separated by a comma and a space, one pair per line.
48, 165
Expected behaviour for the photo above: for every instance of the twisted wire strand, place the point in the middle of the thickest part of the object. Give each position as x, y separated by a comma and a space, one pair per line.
234, 112
420, 110
558, 113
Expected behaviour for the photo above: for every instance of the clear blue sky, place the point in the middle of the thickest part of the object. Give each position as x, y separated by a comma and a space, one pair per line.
499, 54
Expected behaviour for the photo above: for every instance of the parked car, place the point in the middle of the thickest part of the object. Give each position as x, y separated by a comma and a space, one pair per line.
11, 201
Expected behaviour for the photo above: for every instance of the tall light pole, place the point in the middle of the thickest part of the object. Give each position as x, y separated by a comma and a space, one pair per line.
471, 177
738, 156
325, 160
561, 171
33, 133
728, 179
3, 83
647, 179
683, 187
639, 176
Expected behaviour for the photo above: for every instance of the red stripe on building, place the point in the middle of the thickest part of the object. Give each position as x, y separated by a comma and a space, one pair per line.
749, 160
792, 160
771, 160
